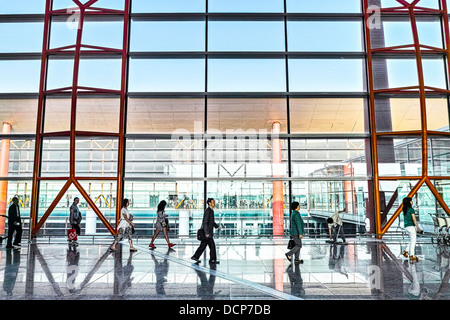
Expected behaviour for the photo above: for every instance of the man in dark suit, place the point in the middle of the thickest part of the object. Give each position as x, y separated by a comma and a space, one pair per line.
14, 224
208, 226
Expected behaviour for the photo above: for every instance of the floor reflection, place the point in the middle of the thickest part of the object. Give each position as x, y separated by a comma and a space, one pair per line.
11, 271
295, 278
205, 290
161, 272
366, 270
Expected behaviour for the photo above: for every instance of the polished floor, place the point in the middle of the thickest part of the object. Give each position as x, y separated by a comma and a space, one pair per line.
252, 269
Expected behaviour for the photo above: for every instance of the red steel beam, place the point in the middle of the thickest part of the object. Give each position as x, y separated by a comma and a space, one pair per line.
123, 101
40, 117
373, 136
75, 90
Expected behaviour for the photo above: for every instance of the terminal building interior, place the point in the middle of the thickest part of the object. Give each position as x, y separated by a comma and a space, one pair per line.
341, 106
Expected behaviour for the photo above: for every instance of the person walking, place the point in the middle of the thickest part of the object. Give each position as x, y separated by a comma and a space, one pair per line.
14, 225
208, 226
162, 224
336, 227
126, 227
75, 218
296, 230
412, 227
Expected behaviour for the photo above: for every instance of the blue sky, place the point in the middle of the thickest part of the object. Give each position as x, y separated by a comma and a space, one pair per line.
223, 74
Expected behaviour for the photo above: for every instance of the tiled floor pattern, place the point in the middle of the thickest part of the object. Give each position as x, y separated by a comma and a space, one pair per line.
249, 269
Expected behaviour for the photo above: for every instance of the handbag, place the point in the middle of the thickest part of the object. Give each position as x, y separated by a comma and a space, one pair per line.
72, 235
291, 244
132, 230
165, 224
201, 234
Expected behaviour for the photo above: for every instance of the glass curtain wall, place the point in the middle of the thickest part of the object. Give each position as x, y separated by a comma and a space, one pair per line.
253, 103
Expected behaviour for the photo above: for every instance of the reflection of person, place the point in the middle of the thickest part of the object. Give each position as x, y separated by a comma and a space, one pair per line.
414, 289
162, 224
295, 278
205, 290
73, 258
336, 227
208, 226
161, 271
14, 224
125, 227
297, 230
335, 259
11, 270
75, 217
122, 274
411, 226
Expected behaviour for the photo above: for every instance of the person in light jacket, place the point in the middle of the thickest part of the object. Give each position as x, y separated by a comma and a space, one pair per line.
162, 224
126, 226
297, 230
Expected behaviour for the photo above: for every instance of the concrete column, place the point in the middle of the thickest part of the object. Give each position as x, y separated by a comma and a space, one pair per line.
277, 191
4, 168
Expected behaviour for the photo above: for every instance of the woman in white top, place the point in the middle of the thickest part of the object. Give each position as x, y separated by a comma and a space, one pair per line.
125, 227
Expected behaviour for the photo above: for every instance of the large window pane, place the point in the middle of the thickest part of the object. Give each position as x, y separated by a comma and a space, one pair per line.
96, 157
93, 114
22, 7
165, 158
245, 6
20, 113
331, 6
167, 75
103, 33
329, 158
246, 207
251, 75
165, 115
398, 33
55, 157
321, 199
59, 73
404, 114
246, 114
21, 157
23, 76
400, 157
184, 199
105, 74
99, 115
57, 115
439, 156
21, 37
328, 115
324, 36
94, 73
62, 33
162, 6
403, 73
246, 36
168, 36
248, 156
326, 75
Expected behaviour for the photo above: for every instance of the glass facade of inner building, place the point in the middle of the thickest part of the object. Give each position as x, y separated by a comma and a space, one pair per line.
253, 103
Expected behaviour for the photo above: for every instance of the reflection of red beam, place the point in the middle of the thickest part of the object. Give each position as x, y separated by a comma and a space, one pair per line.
4, 168
278, 266
277, 200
